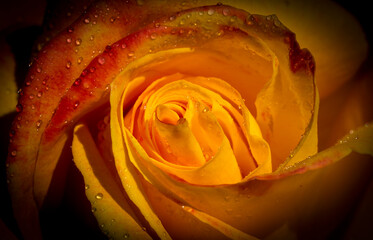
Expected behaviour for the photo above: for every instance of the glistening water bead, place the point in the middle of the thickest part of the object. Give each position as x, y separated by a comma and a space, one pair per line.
99, 196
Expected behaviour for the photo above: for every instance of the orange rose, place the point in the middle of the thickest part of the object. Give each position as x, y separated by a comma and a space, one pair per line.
191, 116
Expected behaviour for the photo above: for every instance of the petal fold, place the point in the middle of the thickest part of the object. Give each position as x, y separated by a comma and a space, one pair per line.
111, 209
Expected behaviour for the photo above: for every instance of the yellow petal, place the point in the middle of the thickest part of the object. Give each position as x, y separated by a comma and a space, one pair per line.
178, 145
285, 106
315, 20
126, 170
226, 229
8, 90
176, 220
306, 147
109, 205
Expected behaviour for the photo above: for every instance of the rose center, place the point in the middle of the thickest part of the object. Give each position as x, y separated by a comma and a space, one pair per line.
181, 122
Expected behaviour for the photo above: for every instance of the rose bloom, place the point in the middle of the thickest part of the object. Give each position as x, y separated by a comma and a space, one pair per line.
190, 120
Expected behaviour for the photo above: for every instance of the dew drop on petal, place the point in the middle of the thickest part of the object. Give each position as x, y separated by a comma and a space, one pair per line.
86, 20
13, 153
80, 59
86, 187
76, 104
225, 11
99, 196
19, 108
77, 82
68, 40
78, 42
68, 64
153, 36
210, 12
101, 60
131, 54
38, 123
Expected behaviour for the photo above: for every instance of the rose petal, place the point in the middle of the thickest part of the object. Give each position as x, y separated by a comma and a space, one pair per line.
343, 47
253, 199
226, 229
176, 220
109, 205
8, 94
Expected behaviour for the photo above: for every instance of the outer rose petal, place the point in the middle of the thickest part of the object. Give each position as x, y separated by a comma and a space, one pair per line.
343, 47
8, 90
109, 205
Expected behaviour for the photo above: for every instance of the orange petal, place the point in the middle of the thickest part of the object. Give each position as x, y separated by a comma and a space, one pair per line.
226, 229
109, 205
8, 90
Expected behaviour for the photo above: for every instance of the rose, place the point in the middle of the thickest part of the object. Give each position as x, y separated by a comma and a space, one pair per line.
77, 102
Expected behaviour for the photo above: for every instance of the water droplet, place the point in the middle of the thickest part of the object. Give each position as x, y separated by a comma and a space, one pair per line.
112, 19
92, 69
38, 123
40, 93
131, 54
153, 36
13, 153
28, 83
101, 60
91, 37
80, 59
68, 40
233, 19
126, 235
249, 20
124, 45
77, 82
99, 196
86, 20
19, 108
78, 42
86, 187
210, 12
68, 65
76, 104
93, 209
225, 11
70, 30
31, 96
38, 70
